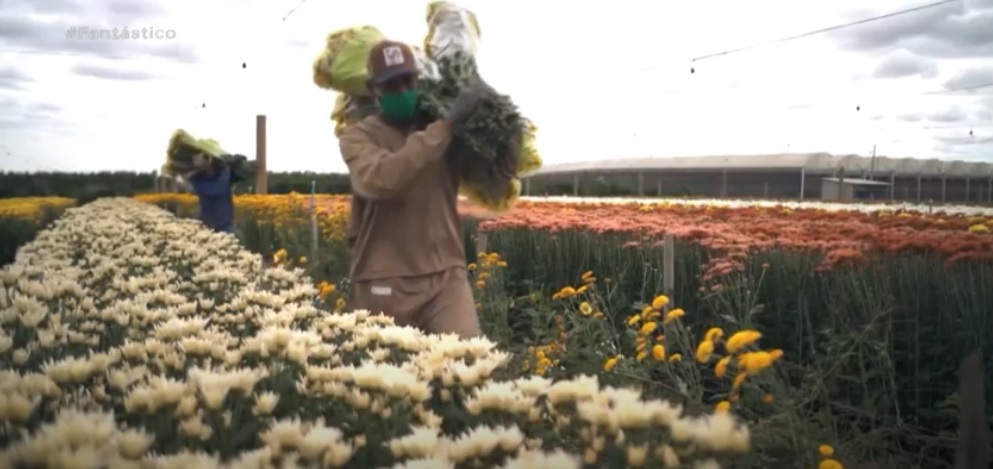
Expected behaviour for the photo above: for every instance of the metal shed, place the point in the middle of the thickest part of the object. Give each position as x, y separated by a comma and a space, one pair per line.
833, 188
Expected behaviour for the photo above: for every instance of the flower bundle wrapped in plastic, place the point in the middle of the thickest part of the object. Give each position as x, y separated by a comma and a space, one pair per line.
341, 65
496, 142
187, 155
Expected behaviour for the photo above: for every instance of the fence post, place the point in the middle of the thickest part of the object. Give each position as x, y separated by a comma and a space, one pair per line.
480, 243
313, 219
669, 268
261, 177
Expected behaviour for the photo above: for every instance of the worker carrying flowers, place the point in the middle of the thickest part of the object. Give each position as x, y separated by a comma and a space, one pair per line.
211, 172
405, 236
212, 185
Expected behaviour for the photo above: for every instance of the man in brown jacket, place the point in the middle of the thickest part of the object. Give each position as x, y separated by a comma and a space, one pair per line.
405, 236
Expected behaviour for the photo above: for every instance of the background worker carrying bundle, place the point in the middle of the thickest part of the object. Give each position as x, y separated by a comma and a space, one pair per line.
211, 172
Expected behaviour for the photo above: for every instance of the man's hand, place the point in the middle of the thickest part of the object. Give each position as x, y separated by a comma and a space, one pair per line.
200, 161
465, 104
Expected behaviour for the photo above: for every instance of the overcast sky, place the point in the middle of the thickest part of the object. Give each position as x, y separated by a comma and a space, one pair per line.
601, 79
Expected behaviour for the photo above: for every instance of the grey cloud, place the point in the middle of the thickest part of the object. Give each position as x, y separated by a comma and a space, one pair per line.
963, 139
985, 109
903, 63
44, 6
47, 108
22, 115
126, 10
47, 32
952, 114
116, 9
965, 148
299, 42
13, 78
949, 31
971, 77
111, 73
911, 117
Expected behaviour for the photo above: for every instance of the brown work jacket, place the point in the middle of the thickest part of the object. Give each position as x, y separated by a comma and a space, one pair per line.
404, 209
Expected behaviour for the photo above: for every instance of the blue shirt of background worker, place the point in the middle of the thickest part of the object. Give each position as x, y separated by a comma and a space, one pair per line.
213, 189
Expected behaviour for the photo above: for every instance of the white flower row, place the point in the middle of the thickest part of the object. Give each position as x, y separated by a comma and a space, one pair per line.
734, 203
122, 306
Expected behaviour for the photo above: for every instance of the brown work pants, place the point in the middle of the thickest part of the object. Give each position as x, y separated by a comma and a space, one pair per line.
435, 303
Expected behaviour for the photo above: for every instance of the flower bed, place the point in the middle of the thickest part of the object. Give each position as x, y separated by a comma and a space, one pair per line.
22, 217
132, 339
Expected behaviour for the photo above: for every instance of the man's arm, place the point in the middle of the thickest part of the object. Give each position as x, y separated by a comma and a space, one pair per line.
379, 174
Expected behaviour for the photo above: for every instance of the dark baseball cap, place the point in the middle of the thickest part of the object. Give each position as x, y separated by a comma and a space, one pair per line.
388, 60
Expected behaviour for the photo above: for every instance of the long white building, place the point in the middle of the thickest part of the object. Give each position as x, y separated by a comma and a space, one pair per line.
788, 176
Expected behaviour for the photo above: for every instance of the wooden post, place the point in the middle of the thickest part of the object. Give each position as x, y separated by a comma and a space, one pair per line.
480, 243
668, 267
261, 182
313, 219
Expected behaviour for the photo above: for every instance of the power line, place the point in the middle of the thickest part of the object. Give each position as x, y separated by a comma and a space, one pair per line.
293, 10
819, 31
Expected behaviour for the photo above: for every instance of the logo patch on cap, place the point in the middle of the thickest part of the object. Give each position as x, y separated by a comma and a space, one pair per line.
393, 56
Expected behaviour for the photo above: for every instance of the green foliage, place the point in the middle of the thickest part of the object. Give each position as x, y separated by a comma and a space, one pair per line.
90, 186
870, 352
204, 358
16, 232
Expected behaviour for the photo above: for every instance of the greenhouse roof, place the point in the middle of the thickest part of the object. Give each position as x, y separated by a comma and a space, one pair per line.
820, 162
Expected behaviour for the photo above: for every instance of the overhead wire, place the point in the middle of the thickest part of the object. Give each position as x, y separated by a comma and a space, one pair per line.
293, 10
818, 31
202, 103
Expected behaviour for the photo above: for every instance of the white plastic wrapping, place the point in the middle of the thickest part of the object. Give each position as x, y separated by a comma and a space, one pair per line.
425, 65
451, 29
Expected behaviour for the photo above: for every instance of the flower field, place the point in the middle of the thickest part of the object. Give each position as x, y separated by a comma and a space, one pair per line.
21, 218
134, 339
862, 314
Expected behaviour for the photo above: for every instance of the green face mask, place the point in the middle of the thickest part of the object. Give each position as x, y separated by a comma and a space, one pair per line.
400, 105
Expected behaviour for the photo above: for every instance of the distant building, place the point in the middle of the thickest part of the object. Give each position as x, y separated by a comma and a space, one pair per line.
786, 176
